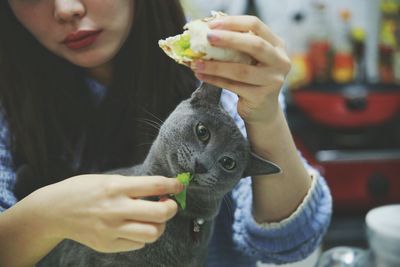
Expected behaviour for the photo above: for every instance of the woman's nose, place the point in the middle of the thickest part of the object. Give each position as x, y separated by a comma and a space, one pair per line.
68, 10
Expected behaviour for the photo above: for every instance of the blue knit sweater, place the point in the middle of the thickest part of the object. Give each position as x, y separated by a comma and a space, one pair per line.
238, 240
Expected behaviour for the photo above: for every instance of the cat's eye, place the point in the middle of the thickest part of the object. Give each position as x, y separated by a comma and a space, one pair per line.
202, 132
228, 163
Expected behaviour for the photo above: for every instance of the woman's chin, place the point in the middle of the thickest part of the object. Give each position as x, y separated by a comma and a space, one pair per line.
88, 58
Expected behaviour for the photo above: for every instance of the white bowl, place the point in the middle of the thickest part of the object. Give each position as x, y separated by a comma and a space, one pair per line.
383, 231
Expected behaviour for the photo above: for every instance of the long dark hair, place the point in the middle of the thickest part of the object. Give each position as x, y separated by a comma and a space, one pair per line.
56, 129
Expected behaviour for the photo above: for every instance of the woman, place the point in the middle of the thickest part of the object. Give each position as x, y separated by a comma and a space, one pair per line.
76, 78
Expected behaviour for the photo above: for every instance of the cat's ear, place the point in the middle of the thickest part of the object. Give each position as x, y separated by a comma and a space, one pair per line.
206, 92
259, 166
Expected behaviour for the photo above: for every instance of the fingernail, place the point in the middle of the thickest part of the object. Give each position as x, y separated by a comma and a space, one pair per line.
181, 187
163, 198
216, 23
212, 36
199, 65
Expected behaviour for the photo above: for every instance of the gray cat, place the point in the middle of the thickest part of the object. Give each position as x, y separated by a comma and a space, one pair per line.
198, 137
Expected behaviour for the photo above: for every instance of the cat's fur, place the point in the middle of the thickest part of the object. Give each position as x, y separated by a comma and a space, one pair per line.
179, 148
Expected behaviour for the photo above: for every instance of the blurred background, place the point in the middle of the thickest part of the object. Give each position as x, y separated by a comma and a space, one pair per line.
343, 97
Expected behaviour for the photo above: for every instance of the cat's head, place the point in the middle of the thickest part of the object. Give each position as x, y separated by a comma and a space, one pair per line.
201, 138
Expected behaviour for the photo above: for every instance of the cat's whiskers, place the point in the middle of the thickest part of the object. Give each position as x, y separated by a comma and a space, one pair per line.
147, 133
154, 123
153, 115
145, 144
145, 126
211, 196
229, 205
215, 196
151, 123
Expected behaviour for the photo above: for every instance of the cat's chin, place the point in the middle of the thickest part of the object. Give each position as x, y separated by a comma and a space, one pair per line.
201, 207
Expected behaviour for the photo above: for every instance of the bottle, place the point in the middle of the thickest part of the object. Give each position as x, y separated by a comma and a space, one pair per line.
343, 60
358, 40
396, 65
300, 73
387, 39
320, 47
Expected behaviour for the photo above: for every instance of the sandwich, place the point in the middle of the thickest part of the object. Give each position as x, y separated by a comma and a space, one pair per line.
193, 45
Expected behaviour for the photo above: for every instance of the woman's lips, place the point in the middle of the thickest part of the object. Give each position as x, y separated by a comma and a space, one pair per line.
81, 39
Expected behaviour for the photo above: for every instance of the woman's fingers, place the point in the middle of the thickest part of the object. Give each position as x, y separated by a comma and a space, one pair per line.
148, 211
250, 93
249, 74
143, 186
95, 207
134, 235
263, 45
251, 44
141, 232
239, 88
247, 23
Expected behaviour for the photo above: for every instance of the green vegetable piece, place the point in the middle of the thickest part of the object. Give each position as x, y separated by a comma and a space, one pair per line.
182, 44
184, 178
184, 41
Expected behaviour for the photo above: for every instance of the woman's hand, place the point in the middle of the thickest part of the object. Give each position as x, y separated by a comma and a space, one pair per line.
106, 212
256, 85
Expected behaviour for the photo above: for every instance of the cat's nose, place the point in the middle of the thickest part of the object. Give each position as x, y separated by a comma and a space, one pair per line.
199, 168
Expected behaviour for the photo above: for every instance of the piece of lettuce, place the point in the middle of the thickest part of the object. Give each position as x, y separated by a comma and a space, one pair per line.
181, 47
181, 44
185, 179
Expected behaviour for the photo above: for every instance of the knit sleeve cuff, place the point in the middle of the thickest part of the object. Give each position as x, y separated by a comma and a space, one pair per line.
295, 237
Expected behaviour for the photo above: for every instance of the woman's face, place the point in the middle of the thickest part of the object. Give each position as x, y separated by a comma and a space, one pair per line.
88, 33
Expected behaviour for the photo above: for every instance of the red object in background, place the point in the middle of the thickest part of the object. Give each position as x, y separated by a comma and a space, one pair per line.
334, 109
363, 175
358, 184
386, 73
320, 60
343, 67
363, 184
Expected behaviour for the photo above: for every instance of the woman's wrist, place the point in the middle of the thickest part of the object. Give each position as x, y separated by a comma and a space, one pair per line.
41, 211
26, 234
276, 196
262, 134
